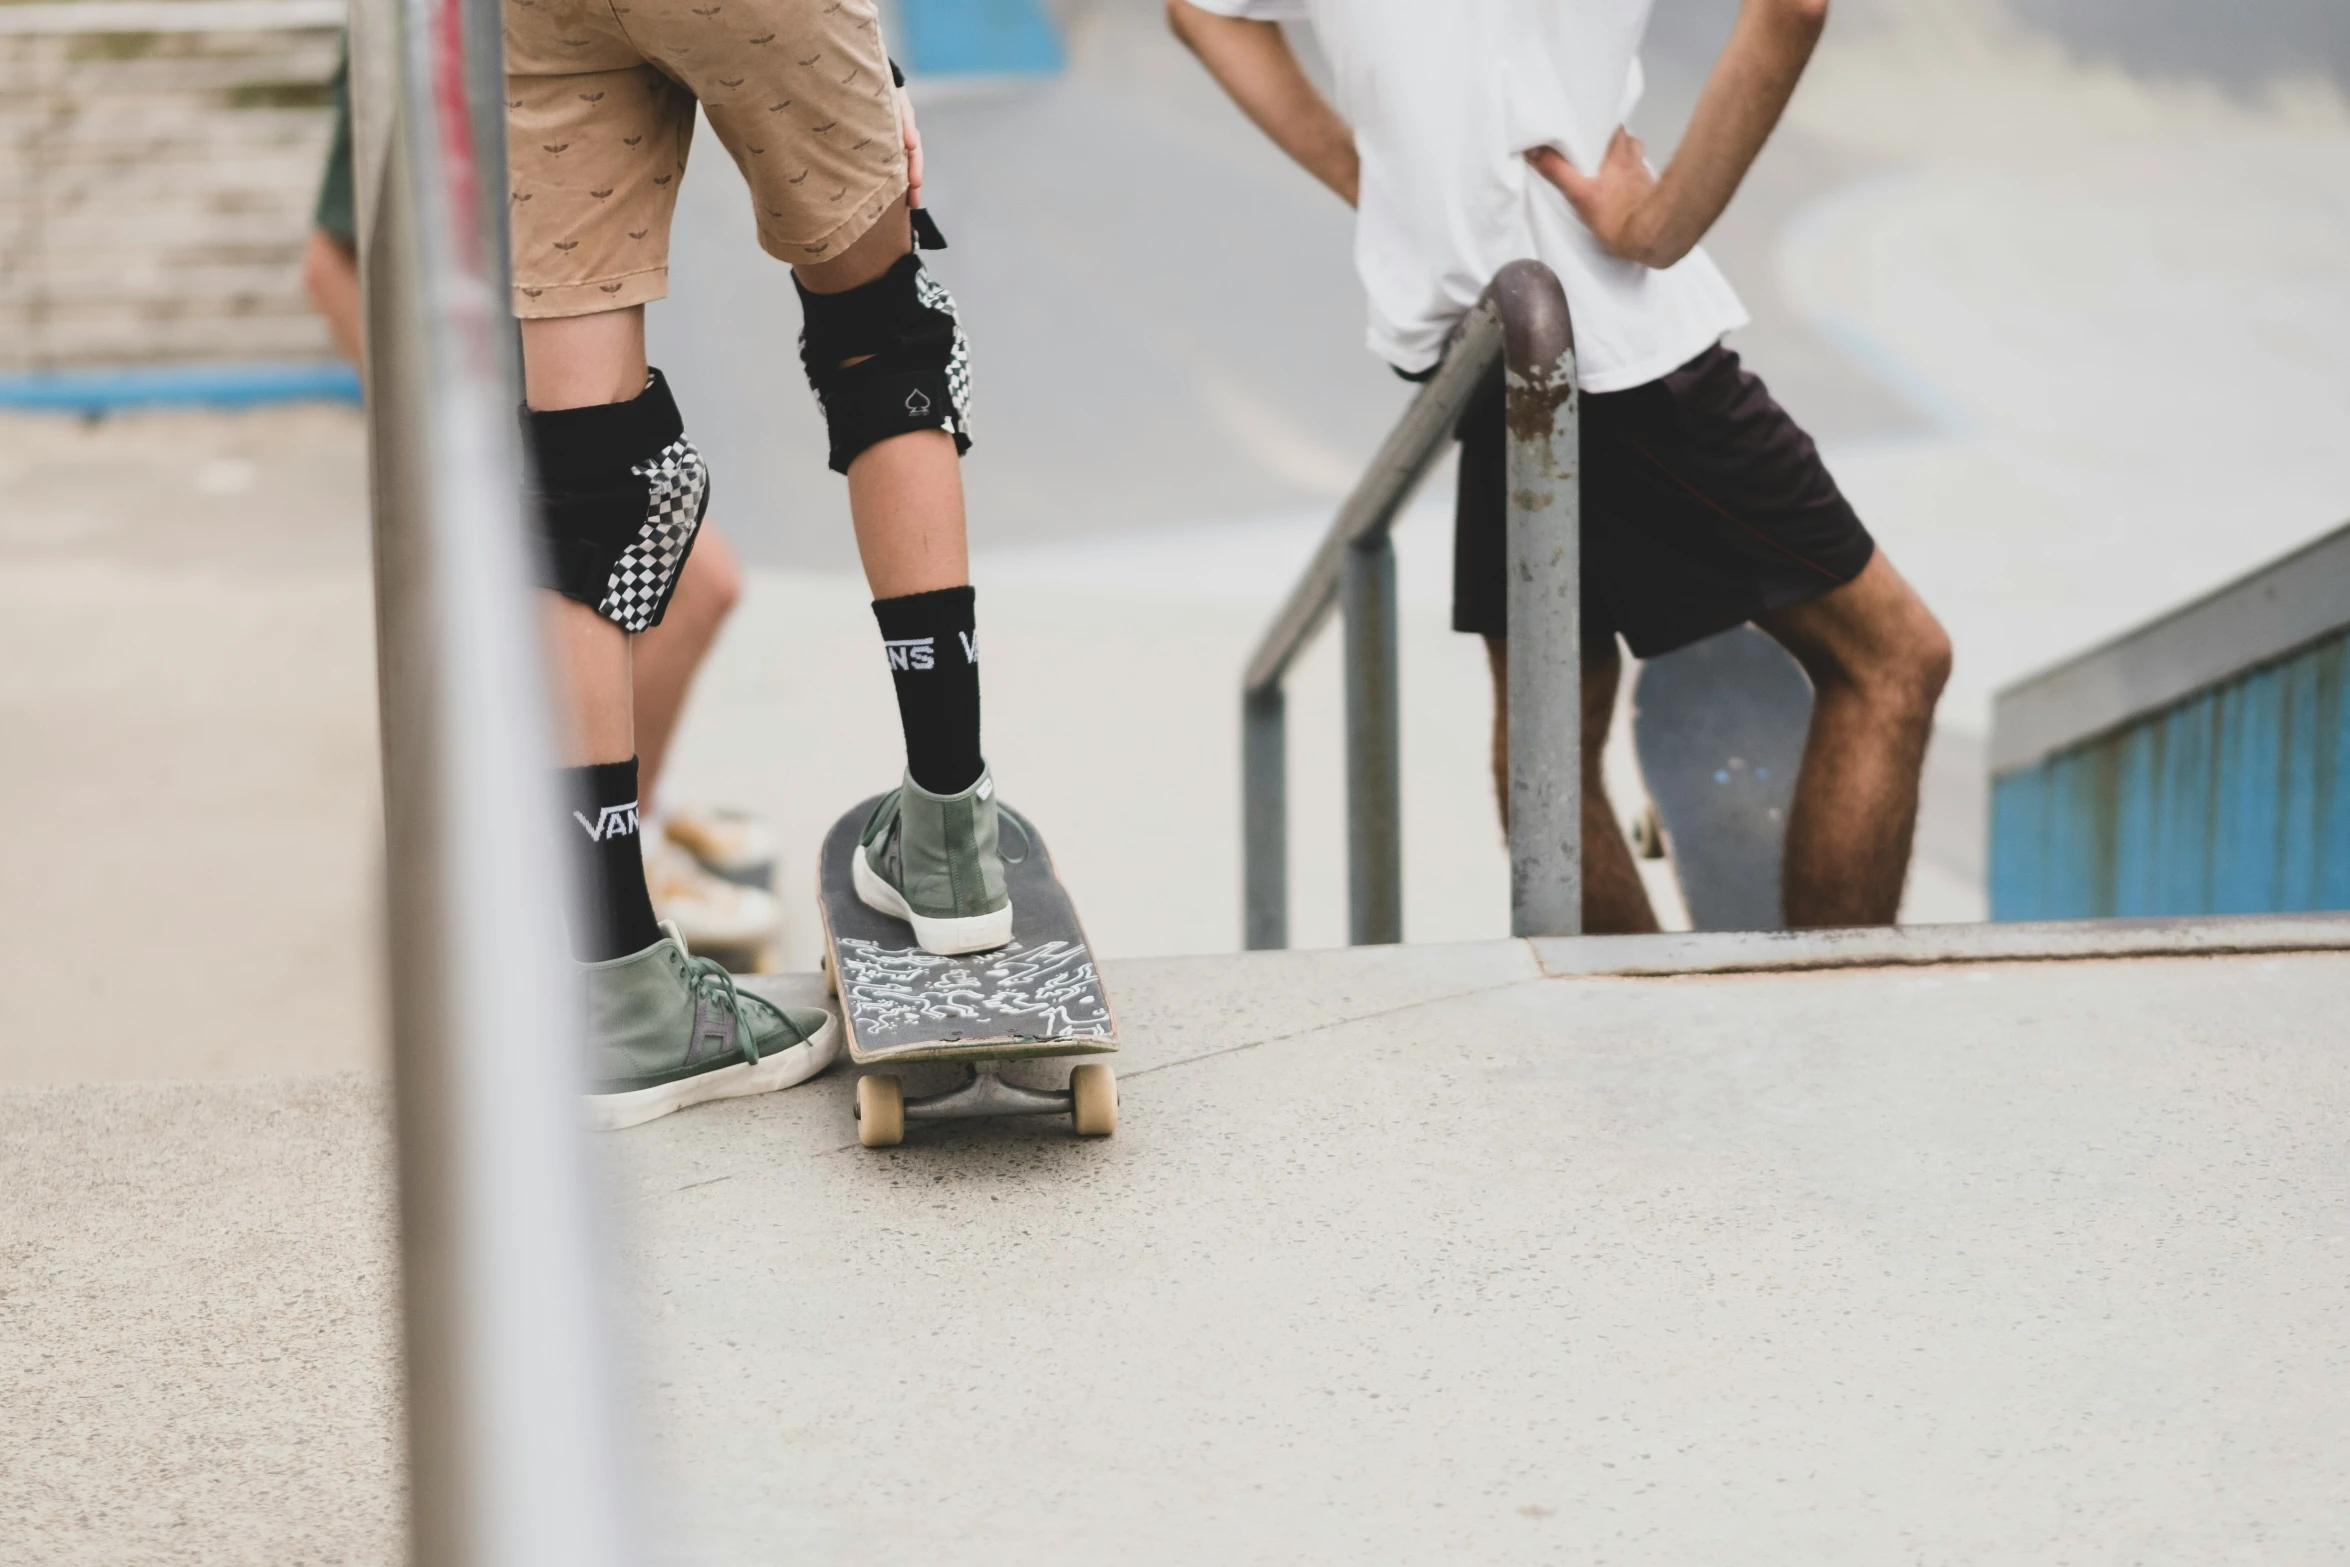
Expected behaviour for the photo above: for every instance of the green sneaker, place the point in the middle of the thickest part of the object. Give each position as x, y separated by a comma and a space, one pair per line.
931, 860
669, 1030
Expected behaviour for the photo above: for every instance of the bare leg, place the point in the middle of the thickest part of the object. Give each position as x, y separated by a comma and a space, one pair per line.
1615, 901
579, 362
330, 272
905, 493
1878, 660
668, 656
592, 683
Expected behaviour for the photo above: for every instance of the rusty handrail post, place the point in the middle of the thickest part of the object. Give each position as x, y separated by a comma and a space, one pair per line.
1545, 603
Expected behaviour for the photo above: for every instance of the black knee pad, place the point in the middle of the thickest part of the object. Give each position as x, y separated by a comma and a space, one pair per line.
621, 493
919, 375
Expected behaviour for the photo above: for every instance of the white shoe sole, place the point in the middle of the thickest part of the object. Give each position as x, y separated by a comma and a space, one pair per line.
948, 937
798, 1063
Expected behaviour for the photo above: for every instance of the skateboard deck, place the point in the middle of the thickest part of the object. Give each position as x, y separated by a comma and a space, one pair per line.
1038, 995
1719, 728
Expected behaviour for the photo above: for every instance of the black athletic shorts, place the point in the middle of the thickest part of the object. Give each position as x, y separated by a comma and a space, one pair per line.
1704, 505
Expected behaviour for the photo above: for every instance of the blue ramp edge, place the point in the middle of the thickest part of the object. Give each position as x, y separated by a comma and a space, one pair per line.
2233, 801
235, 384
978, 38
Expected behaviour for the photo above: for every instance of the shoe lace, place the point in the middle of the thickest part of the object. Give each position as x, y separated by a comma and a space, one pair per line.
710, 980
709, 977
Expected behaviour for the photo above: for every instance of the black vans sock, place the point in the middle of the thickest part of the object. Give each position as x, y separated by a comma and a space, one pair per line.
616, 917
933, 646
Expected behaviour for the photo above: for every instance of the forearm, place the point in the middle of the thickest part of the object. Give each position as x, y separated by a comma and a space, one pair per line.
1740, 106
1253, 62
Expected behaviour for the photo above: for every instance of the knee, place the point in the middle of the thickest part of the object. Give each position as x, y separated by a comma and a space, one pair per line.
1901, 675
1915, 664
1930, 659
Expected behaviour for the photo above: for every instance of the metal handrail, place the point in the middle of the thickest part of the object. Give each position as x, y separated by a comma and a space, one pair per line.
1522, 320
514, 1436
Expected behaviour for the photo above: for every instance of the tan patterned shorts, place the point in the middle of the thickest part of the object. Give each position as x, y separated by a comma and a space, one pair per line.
600, 99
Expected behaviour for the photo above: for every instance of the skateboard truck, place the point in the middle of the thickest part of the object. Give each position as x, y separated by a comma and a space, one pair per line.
1090, 1101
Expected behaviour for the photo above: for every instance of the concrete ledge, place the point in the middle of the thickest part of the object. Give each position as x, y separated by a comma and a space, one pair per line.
1742, 952
2235, 628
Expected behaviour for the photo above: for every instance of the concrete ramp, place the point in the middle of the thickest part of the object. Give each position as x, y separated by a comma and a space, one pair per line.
1400, 1255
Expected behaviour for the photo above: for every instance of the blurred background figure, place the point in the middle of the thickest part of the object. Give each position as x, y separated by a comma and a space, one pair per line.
2056, 285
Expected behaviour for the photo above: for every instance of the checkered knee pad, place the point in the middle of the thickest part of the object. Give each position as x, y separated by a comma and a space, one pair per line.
913, 369
677, 488
621, 495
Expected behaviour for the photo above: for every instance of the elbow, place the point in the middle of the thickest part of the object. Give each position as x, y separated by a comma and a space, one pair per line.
1656, 245
1181, 19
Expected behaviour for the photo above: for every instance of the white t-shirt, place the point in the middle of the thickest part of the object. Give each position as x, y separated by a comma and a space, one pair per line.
1445, 97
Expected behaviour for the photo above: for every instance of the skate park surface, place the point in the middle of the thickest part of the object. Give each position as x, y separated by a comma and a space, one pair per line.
1431, 1254
1449, 1252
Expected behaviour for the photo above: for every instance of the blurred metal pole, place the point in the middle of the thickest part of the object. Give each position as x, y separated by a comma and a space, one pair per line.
1374, 807
1545, 603
514, 1437
1264, 825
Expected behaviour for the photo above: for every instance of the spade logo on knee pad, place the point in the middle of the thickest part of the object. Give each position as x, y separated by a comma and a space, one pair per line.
917, 403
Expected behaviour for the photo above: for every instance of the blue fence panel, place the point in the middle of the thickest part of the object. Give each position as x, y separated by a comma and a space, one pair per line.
239, 384
977, 38
2234, 801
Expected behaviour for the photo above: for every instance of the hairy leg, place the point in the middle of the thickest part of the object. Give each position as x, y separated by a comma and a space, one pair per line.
579, 362
1878, 660
668, 656
1615, 901
905, 493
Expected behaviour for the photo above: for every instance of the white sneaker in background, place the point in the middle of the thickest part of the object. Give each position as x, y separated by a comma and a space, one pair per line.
733, 845
711, 913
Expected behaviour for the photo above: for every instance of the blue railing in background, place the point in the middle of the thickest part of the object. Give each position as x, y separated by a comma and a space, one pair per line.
2197, 765
232, 385
977, 38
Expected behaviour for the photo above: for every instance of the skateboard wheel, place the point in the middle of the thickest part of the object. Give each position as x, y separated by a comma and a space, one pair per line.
831, 980
881, 1112
1093, 1099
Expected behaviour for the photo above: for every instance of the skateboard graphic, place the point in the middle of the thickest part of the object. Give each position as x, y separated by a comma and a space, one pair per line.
1719, 728
1036, 996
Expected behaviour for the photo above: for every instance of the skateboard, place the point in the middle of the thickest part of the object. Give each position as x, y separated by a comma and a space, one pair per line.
1719, 728
1036, 996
